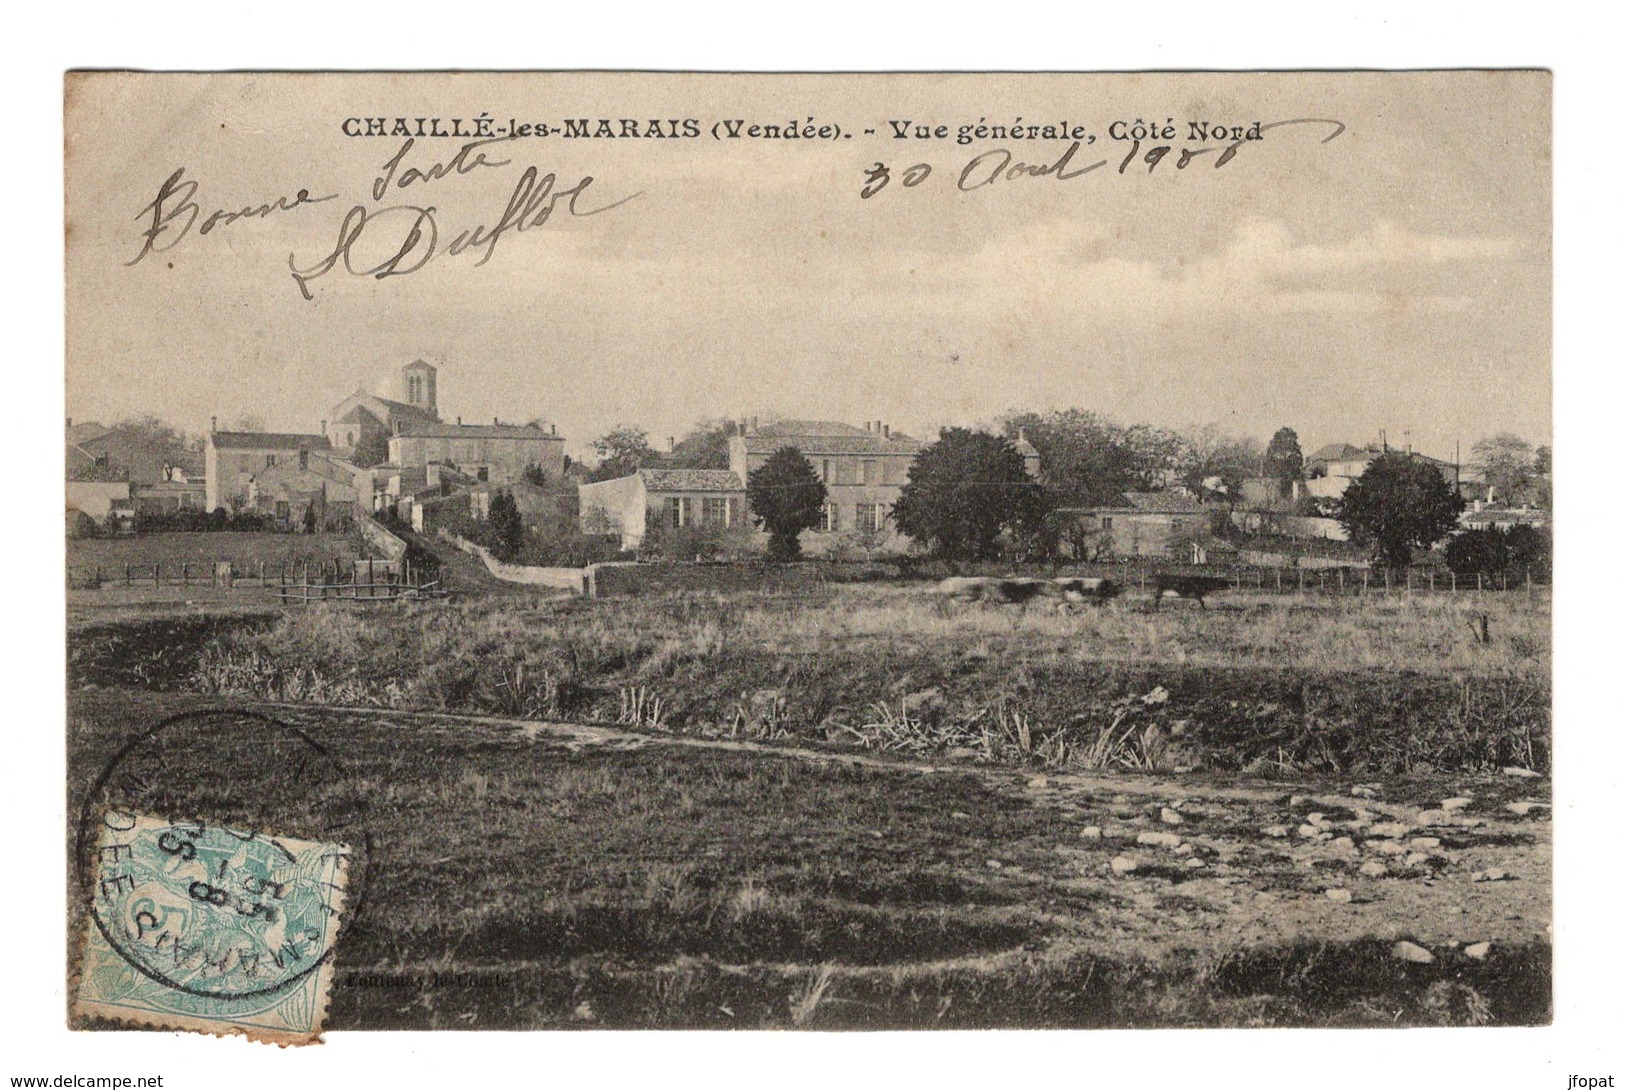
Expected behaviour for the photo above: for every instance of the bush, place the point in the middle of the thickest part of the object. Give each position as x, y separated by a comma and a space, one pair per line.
1477, 552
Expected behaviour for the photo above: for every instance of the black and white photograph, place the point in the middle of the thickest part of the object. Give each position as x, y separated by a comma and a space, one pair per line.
815, 552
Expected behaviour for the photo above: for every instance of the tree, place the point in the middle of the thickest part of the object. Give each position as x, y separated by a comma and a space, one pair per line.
1529, 550
704, 447
1283, 458
1210, 453
310, 518
622, 451
1509, 465
534, 474
1398, 504
786, 497
963, 491
1088, 460
371, 451
1477, 552
506, 527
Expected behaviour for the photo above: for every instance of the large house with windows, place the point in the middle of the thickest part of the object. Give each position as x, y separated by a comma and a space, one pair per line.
661, 499
863, 470
233, 459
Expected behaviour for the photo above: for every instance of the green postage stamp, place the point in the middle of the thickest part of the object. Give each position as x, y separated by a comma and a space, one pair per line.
206, 927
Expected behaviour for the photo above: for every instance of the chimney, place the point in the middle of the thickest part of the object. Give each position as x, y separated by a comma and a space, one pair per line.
671, 443
459, 421
887, 431
867, 425
214, 422
553, 429
755, 422
1021, 435
495, 421
324, 427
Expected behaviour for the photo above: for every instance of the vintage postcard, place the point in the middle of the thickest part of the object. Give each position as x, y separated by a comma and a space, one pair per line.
881, 551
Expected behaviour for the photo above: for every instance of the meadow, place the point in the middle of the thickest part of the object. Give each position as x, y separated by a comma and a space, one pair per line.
522, 878
1263, 683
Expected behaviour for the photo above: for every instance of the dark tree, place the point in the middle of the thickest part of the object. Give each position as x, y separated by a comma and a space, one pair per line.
507, 528
310, 518
1398, 504
1283, 458
622, 452
1087, 459
963, 491
786, 497
1529, 550
534, 474
1477, 552
371, 451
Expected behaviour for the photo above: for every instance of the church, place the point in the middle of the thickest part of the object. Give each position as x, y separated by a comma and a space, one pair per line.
360, 425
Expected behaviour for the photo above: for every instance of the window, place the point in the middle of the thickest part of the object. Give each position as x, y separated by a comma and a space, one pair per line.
414, 388
282, 509
831, 521
828, 478
1173, 525
871, 474
714, 511
270, 460
1105, 522
869, 517
677, 515
483, 473
304, 459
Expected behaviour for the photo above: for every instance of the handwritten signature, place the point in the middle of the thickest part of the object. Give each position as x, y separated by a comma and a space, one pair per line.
398, 239
417, 230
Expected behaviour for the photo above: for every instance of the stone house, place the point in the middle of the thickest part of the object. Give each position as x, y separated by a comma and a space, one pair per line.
496, 452
863, 470
669, 498
232, 459
310, 481
1328, 471
1164, 525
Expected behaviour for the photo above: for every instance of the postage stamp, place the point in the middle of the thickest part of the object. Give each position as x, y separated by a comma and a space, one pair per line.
211, 928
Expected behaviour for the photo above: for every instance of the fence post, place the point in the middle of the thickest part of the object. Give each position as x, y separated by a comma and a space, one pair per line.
1365, 580
1452, 582
186, 575
98, 577
1388, 580
1277, 579
1300, 580
126, 575
1528, 581
1481, 582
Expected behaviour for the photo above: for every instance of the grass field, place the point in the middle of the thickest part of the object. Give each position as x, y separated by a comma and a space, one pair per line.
520, 878
1265, 683
858, 807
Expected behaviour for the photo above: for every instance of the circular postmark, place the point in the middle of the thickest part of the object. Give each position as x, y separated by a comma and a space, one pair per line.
220, 852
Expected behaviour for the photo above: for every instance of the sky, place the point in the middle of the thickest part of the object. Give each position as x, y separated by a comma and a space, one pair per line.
1394, 279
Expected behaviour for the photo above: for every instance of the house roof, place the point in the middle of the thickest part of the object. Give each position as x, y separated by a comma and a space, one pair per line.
476, 431
1341, 452
826, 437
1164, 502
85, 431
267, 440
691, 480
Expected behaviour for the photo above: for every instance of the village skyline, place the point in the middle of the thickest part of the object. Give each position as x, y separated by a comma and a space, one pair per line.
579, 436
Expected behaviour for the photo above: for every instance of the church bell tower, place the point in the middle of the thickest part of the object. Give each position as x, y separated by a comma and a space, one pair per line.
418, 387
